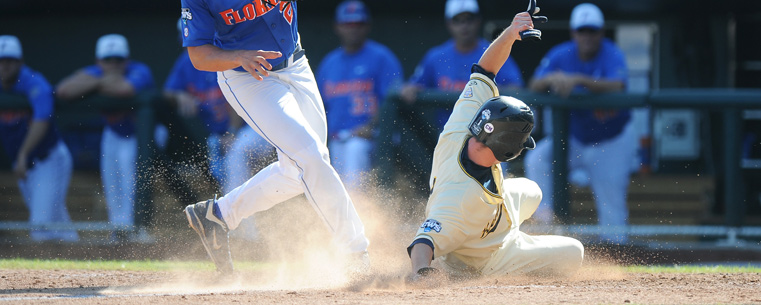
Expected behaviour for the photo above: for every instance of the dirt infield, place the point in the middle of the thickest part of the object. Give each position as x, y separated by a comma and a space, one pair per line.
298, 270
593, 285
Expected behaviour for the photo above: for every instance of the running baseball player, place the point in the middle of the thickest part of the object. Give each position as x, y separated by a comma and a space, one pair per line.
41, 161
473, 215
261, 68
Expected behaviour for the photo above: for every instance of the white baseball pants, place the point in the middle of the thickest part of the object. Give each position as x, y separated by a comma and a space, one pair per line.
117, 169
286, 109
351, 159
44, 191
608, 166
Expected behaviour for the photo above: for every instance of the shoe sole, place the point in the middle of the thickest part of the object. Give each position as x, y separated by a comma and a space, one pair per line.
196, 225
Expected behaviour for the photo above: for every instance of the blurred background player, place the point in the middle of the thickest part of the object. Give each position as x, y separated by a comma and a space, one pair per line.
41, 161
114, 74
446, 67
602, 141
353, 80
265, 76
473, 214
196, 93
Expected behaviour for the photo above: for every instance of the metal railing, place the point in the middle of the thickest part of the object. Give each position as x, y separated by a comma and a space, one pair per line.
729, 102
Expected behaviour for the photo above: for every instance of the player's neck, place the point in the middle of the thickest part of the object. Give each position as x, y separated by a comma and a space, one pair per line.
465, 46
480, 154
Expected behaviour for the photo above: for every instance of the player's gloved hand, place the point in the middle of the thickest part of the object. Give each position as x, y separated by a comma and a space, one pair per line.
426, 277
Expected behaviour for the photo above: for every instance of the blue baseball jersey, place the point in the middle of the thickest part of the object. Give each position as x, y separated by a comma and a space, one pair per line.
212, 108
444, 68
14, 124
354, 85
139, 75
268, 25
590, 125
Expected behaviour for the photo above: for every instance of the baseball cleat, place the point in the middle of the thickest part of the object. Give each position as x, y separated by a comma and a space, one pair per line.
213, 233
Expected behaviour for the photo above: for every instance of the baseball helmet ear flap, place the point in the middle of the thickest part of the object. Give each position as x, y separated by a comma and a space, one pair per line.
504, 124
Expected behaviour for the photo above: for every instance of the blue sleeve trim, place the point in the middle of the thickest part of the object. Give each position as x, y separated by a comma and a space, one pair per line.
420, 241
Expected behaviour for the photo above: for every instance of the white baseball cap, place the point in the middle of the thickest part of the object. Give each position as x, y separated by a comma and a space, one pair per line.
111, 45
586, 15
456, 7
10, 47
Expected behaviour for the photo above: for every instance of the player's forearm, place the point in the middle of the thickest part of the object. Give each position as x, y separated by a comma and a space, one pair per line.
499, 50
116, 86
497, 53
539, 85
33, 137
76, 86
601, 85
421, 256
213, 59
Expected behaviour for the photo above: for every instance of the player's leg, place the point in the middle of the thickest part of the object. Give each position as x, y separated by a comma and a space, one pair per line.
63, 163
214, 157
542, 255
538, 166
522, 198
325, 188
280, 109
116, 153
248, 150
357, 161
607, 164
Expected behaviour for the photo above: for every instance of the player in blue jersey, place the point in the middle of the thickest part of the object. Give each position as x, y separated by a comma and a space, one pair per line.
41, 161
602, 141
446, 67
196, 93
353, 80
255, 49
114, 75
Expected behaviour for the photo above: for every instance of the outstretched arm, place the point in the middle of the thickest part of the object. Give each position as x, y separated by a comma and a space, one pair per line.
499, 50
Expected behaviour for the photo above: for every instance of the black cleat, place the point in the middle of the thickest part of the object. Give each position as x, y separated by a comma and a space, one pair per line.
213, 233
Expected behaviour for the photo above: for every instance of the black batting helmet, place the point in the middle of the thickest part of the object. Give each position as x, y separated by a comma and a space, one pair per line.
504, 125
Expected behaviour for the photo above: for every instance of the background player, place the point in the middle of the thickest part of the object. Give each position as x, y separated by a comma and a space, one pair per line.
446, 66
602, 142
41, 161
473, 213
265, 76
353, 80
114, 75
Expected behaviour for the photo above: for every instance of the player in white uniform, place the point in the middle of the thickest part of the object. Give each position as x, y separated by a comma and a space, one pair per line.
473, 215
265, 76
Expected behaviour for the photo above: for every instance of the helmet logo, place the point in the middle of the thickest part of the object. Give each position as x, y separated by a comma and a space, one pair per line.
486, 114
489, 128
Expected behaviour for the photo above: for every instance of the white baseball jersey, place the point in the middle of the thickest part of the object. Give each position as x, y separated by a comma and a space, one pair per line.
473, 227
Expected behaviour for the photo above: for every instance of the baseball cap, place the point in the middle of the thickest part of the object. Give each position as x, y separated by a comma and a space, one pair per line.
111, 45
352, 11
456, 7
10, 47
586, 15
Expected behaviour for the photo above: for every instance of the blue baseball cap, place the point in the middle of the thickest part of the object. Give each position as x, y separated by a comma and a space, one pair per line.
352, 11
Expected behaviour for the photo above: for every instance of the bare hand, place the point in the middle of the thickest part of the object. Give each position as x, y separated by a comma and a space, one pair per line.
409, 94
19, 170
562, 84
255, 62
521, 22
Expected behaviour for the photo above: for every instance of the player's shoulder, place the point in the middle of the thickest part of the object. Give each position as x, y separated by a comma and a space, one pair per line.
445, 49
563, 48
29, 76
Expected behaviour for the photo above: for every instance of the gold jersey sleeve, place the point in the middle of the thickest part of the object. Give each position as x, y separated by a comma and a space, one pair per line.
463, 217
